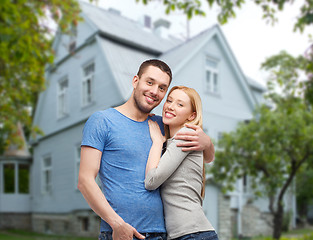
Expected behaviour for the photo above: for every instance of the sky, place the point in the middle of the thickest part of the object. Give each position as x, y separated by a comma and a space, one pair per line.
251, 39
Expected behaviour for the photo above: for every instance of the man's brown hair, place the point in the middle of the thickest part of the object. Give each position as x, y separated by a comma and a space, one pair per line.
156, 63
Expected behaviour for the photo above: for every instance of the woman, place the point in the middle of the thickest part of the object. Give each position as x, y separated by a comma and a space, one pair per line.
180, 173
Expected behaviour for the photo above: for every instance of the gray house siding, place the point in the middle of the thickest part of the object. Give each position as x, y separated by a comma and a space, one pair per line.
104, 90
84, 29
64, 196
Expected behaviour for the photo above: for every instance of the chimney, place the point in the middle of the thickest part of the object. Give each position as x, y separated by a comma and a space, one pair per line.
161, 27
145, 21
114, 11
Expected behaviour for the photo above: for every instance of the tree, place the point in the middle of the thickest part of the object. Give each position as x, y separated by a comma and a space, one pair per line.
25, 50
276, 143
304, 186
227, 9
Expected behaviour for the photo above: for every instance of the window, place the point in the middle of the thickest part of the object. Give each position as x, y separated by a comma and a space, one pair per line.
23, 178
46, 174
211, 78
9, 177
73, 36
47, 226
219, 138
15, 178
77, 163
84, 224
246, 183
62, 98
88, 75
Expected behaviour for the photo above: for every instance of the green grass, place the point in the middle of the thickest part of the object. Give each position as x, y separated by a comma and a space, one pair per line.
26, 235
291, 235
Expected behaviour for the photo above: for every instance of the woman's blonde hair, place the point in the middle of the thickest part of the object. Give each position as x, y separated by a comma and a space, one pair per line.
196, 106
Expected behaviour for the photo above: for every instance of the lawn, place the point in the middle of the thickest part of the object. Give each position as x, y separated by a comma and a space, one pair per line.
25, 235
297, 234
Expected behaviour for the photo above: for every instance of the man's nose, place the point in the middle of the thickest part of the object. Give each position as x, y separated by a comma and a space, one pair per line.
154, 90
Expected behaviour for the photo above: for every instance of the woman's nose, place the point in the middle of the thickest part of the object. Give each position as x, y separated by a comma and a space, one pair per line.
170, 106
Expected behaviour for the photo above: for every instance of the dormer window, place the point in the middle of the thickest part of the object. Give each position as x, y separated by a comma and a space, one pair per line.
87, 85
72, 41
212, 84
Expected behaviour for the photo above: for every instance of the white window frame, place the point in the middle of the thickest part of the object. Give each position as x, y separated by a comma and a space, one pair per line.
72, 39
212, 85
62, 99
88, 76
77, 163
46, 187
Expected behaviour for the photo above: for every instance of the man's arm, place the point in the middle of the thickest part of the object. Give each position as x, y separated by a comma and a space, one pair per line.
89, 168
196, 141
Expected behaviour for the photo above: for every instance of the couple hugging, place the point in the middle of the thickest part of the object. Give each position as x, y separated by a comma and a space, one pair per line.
150, 189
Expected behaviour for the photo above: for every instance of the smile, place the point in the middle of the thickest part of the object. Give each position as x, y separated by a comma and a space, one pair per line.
150, 99
169, 115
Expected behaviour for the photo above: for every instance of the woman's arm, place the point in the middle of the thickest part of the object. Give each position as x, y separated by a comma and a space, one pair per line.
157, 143
159, 170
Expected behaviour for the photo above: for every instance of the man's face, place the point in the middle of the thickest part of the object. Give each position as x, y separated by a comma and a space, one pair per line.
150, 88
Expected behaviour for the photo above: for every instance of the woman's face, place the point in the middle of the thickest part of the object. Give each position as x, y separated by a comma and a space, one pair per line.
177, 109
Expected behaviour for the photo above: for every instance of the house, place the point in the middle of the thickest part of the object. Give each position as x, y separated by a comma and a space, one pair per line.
93, 69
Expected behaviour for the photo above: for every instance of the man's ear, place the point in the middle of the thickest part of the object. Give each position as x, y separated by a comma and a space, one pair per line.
192, 116
135, 81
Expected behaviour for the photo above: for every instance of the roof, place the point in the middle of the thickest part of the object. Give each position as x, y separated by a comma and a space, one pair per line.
18, 151
124, 29
126, 44
178, 56
255, 85
124, 62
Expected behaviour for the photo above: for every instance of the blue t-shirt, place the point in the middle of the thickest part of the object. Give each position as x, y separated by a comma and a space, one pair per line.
125, 146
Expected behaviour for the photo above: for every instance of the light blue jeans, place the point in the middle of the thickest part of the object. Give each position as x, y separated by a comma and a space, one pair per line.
208, 235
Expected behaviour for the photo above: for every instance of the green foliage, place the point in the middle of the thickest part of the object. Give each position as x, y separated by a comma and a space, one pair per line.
272, 147
304, 237
227, 9
26, 235
190, 8
304, 186
25, 50
269, 148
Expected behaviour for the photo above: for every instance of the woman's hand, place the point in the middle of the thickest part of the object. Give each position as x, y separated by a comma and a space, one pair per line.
155, 132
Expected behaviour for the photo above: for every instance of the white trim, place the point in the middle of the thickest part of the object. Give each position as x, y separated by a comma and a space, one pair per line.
211, 87
87, 99
62, 91
76, 164
45, 186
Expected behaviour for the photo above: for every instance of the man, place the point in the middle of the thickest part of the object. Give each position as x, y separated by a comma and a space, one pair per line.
116, 144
